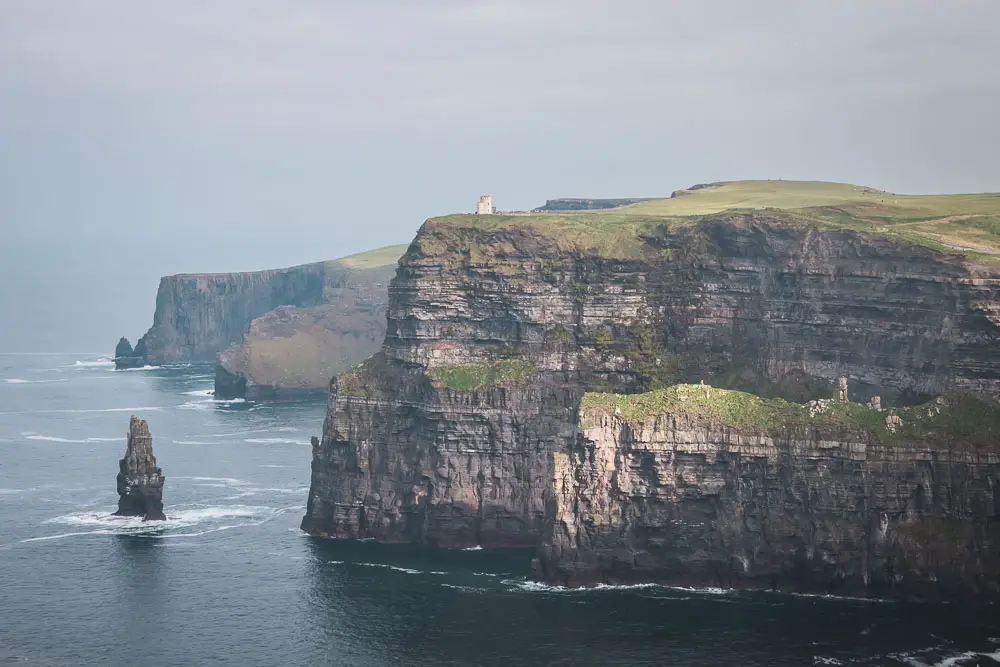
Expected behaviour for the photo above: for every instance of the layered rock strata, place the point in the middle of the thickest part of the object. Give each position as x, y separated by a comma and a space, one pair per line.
458, 432
140, 481
836, 505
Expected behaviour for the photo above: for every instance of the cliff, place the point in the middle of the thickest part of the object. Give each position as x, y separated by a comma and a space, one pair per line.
140, 481
338, 304
293, 351
694, 485
458, 432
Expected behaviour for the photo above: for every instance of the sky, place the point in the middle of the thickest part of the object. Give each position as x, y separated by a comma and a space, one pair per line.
144, 138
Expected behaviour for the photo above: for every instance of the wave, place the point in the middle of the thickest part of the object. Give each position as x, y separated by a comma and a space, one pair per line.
200, 392
191, 442
951, 660
52, 438
467, 589
102, 362
537, 586
140, 368
407, 570
227, 480
269, 465
20, 381
275, 441
478, 547
210, 403
178, 519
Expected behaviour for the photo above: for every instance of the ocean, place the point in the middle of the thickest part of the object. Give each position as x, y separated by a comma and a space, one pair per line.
230, 580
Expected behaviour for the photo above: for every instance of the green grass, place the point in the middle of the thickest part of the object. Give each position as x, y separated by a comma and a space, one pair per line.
942, 222
959, 417
475, 377
372, 259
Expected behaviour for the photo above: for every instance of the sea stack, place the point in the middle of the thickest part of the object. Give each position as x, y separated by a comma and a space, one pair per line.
140, 482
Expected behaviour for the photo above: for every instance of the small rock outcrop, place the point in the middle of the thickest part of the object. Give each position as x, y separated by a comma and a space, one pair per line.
126, 357
140, 481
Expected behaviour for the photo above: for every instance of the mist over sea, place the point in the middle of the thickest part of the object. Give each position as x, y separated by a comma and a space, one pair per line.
230, 580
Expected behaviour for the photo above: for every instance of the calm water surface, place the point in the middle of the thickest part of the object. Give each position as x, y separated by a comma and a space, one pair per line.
230, 580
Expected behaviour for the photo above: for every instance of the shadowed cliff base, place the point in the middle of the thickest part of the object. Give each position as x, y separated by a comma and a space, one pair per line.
467, 427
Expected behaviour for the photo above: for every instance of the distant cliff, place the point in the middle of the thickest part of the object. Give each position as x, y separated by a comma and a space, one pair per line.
472, 426
291, 351
198, 316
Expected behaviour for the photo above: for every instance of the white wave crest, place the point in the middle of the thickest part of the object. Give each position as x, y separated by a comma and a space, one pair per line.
951, 660
478, 547
102, 362
20, 381
140, 368
53, 438
191, 442
226, 480
393, 567
200, 392
205, 519
208, 404
467, 589
275, 441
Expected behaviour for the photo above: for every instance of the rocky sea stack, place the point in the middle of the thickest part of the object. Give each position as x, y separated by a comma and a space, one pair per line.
140, 482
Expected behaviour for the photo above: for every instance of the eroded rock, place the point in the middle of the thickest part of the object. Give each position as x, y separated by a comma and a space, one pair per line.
140, 481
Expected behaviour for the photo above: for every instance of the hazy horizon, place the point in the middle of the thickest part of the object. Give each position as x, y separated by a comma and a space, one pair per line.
139, 140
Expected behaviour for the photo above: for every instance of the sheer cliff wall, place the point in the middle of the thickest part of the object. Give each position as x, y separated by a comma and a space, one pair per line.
831, 507
199, 315
457, 433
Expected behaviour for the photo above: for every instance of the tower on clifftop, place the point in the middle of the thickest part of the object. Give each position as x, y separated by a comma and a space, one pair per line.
485, 205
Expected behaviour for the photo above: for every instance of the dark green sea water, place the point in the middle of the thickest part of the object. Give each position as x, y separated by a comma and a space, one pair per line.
230, 580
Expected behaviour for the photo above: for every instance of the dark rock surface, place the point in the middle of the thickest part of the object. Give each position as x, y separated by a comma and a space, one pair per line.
140, 481
742, 301
126, 357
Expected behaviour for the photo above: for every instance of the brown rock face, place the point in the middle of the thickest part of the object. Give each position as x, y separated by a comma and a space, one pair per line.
140, 482
682, 501
291, 351
428, 442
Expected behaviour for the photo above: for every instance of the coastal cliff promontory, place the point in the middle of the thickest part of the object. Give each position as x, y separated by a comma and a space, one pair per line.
471, 425
291, 351
280, 329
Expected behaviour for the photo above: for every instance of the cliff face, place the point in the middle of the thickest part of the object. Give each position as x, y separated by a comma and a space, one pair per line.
828, 508
464, 428
199, 315
291, 350
277, 330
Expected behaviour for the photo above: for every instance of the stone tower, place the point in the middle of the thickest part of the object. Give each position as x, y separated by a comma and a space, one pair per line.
485, 205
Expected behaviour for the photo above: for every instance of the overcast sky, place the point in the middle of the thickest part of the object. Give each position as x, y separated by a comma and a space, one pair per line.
144, 138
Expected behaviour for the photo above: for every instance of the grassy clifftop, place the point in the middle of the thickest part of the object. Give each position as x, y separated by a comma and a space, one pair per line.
958, 418
967, 224
373, 259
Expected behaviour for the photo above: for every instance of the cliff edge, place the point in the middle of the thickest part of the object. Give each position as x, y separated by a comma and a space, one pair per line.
459, 431
331, 317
